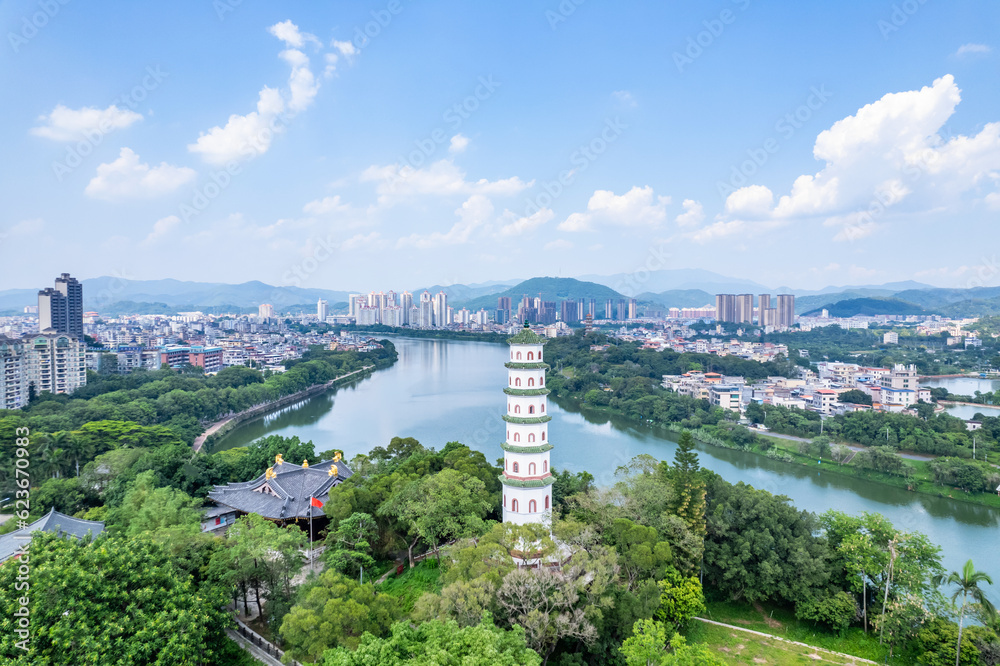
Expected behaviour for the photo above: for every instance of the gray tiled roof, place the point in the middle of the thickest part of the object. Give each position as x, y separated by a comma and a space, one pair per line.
53, 521
292, 487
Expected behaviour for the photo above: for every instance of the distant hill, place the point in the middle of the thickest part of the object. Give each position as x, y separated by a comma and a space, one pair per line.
468, 292
676, 279
870, 306
680, 298
550, 288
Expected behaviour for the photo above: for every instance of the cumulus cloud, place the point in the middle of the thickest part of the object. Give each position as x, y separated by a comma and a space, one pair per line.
558, 244
161, 228
973, 49
246, 136
458, 144
894, 156
128, 178
638, 207
66, 124
346, 50
28, 227
325, 206
693, 214
517, 226
442, 178
473, 215
624, 98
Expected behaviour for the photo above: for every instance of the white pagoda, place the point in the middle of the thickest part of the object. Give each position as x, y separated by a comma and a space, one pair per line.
527, 479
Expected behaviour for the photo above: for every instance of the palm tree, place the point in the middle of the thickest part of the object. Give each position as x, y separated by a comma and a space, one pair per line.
968, 583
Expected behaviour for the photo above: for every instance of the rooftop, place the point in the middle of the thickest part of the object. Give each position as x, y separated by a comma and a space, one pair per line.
53, 521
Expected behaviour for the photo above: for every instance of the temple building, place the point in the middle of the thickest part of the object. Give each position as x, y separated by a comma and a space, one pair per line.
58, 523
284, 493
527, 479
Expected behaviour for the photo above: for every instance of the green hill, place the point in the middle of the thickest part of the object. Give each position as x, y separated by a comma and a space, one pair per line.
550, 289
680, 298
870, 306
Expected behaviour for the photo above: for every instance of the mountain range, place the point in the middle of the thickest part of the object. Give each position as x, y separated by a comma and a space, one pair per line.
665, 288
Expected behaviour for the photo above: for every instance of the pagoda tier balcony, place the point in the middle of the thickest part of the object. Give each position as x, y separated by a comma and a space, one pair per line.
544, 418
532, 448
527, 481
517, 365
526, 391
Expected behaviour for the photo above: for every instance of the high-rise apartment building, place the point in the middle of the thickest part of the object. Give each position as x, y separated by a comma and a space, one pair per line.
45, 362
786, 311
61, 308
322, 310
633, 309
441, 309
265, 311
734, 308
609, 309
568, 311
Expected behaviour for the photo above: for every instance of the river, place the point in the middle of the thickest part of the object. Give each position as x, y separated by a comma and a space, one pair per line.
440, 391
967, 386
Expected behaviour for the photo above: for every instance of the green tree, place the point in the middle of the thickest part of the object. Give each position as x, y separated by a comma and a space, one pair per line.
968, 585
641, 552
647, 645
117, 600
835, 611
349, 546
335, 611
681, 599
689, 489
697, 654
437, 642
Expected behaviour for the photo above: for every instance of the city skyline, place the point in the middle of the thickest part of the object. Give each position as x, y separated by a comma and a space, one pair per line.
480, 157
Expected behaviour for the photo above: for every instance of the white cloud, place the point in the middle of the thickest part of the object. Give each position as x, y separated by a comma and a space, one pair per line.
358, 241
127, 178
693, 214
290, 34
886, 160
717, 230
325, 205
993, 200
517, 226
246, 136
976, 49
750, 200
66, 124
28, 227
442, 178
473, 215
161, 228
637, 207
341, 49
558, 244
458, 144
624, 98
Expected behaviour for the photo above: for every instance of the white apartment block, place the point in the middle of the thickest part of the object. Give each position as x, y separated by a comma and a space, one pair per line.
49, 362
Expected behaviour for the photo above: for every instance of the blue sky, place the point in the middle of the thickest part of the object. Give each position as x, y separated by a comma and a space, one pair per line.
397, 144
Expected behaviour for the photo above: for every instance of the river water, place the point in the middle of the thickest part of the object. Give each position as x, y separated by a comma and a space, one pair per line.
967, 386
441, 391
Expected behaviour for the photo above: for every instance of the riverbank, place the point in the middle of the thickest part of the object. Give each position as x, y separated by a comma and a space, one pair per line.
220, 428
786, 451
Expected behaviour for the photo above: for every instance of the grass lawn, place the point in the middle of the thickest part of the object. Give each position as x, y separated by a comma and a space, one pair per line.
780, 621
412, 583
737, 647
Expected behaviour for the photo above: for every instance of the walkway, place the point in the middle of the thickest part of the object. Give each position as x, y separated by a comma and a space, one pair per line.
851, 657
258, 410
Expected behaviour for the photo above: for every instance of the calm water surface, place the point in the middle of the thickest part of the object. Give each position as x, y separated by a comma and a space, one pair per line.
441, 391
967, 386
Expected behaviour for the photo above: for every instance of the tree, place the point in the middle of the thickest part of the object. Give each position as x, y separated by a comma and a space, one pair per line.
118, 600
968, 584
697, 654
461, 601
680, 599
439, 642
641, 553
856, 397
840, 453
349, 546
688, 487
835, 611
443, 506
335, 611
647, 645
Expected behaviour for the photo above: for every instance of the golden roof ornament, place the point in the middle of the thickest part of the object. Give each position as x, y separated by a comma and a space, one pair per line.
336, 457
270, 473
305, 463
279, 459
333, 471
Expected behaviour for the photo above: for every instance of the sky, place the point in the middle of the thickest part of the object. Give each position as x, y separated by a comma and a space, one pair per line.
394, 144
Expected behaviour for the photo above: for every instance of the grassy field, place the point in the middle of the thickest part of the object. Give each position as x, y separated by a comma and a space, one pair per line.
737, 647
781, 621
412, 583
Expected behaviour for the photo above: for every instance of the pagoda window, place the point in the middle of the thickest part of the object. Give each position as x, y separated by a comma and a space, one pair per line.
517, 409
517, 437
516, 471
531, 381
518, 356
531, 357
543, 436
531, 436
531, 409
541, 380
543, 408
532, 506
546, 502
531, 469
513, 505
517, 382
505, 500
545, 468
